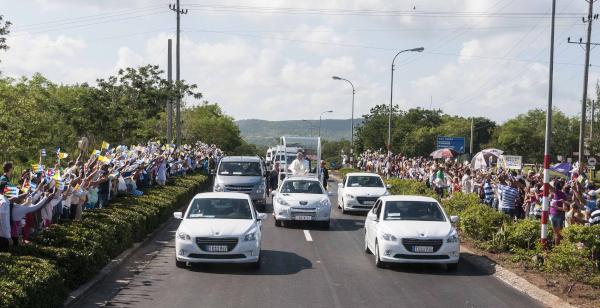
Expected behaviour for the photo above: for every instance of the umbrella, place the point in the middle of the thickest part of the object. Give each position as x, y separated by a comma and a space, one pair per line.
562, 168
482, 159
443, 153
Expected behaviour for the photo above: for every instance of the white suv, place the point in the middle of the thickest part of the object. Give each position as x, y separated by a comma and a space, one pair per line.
359, 191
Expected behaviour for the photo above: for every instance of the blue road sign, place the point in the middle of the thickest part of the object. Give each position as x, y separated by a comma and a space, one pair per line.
455, 143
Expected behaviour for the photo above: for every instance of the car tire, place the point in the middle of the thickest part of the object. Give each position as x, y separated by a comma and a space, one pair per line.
452, 267
344, 211
367, 250
278, 223
378, 262
180, 264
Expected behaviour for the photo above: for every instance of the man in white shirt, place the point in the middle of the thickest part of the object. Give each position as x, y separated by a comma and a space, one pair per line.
299, 165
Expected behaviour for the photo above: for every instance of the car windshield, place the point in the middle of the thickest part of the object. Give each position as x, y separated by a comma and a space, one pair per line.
240, 168
220, 208
413, 210
365, 181
301, 187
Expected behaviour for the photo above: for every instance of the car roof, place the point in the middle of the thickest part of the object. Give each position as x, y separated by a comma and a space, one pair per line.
301, 177
407, 198
222, 195
362, 174
240, 159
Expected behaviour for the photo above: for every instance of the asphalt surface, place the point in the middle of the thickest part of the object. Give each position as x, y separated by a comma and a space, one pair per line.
330, 271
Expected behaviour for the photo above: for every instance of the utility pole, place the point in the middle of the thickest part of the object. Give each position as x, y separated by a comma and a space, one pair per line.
548, 141
169, 102
176, 8
587, 43
471, 145
592, 120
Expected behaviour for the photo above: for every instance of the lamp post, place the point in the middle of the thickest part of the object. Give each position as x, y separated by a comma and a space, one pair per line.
321, 117
352, 121
419, 49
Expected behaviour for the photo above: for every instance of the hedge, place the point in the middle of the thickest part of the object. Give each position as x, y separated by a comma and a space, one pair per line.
577, 257
70, 253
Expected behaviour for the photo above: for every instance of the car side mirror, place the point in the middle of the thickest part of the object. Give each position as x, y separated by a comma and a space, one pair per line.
388, 186
453, 219
373, 217
178, 215
261, 216
329, 193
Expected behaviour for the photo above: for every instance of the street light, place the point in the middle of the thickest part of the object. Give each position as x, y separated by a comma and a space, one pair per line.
352, 123
320, 118
419, 49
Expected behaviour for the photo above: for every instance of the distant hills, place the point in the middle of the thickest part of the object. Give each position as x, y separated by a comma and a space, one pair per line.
265, 133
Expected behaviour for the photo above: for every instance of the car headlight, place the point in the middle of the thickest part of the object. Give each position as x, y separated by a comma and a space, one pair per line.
388, 237
260, 188
349, 196
183, 236
453, 238
324, 202
250, 237
218, 188
281, 201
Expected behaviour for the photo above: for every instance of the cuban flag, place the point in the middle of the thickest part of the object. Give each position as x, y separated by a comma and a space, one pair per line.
32, 186
43, 152
11, 191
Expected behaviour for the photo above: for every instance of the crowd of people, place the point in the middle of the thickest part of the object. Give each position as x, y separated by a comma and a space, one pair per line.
40, 196
516, 192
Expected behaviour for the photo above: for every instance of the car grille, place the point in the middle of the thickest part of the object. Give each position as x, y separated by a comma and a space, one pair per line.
410, 242
216, 257
203, 242
362, 200
239, 188
422, 257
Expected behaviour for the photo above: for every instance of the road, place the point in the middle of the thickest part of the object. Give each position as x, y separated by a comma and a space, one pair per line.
302, 267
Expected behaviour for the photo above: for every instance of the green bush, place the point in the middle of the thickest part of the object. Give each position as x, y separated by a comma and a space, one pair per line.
409, 187
589, 236
76, 251
481, 223
574, 261
522, 234
459, 202
29, 282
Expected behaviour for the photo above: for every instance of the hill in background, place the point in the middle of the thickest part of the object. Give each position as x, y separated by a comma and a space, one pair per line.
264, 133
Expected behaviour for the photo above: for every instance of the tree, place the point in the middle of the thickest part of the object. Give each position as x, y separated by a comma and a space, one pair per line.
208, 123
4, 31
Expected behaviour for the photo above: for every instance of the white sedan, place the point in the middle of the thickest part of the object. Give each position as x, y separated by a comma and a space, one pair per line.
411, 229
301, 198
359, 191
219, 228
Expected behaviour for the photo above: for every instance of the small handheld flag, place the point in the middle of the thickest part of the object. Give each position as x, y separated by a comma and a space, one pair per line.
96, 152
11, 191
103, 159
43, 152
105, 145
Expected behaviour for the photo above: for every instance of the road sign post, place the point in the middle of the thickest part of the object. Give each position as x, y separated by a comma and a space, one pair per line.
455, 143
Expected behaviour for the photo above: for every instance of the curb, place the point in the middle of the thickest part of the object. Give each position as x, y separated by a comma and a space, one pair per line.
513, 280
109, 268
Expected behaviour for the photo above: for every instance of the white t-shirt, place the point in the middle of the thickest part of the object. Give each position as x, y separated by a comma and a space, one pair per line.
299, 167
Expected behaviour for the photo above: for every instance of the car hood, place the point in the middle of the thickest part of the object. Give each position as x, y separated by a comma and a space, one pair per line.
238, 180
366, 191
206, 227
295, 199
417, 229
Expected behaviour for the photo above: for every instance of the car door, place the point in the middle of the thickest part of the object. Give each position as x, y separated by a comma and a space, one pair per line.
371, 223
341, 190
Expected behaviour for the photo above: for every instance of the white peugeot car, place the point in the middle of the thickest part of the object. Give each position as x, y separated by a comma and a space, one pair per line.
301, 198
359, 191
219, 228
411, 229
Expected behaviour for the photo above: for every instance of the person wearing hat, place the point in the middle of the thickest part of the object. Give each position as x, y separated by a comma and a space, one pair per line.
299, 165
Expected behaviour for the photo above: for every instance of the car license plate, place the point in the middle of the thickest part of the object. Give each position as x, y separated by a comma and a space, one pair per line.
423, 249
369, 202
303, 217
217, 248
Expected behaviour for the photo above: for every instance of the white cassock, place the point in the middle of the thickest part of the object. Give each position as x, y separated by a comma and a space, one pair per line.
299, 167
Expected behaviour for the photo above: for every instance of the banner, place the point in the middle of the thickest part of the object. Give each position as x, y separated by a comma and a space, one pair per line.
513, 162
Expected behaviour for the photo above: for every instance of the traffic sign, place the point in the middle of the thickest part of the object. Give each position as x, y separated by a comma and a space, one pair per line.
592, 161
455, 143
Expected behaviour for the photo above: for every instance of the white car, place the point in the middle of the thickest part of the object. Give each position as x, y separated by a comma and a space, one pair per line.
301, 198
359, 191
411, 229
219, 228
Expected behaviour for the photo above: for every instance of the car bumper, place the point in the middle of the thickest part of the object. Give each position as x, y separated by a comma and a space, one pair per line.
448, 253
353, 205
244, 252
289, 213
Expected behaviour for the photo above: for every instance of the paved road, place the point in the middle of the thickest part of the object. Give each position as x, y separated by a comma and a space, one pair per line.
329, 271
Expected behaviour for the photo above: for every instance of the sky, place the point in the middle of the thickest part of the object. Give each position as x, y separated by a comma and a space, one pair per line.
274, 59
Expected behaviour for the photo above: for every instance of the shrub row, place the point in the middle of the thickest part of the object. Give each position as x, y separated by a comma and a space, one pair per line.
577, 256
68, 254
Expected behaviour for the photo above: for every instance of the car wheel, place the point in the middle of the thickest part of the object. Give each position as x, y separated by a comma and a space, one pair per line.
367, 250
378, 261
452, 267
278, 223
180, 264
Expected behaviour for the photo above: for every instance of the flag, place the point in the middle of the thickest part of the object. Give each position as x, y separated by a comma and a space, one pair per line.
96, 152
43, 152
32, 186
62, 155
60, 184
105, 145
37, 168
11, 191
25, 187
103, 159
50, 172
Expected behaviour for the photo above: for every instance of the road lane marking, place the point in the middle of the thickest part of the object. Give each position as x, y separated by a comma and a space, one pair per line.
307, 236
